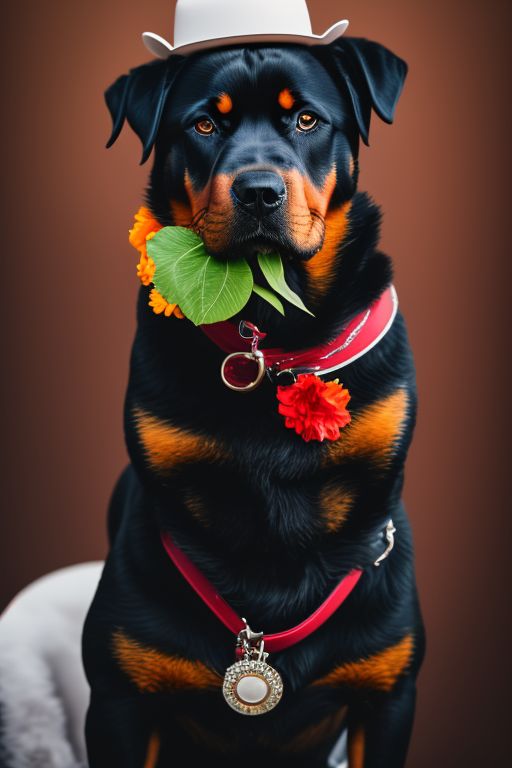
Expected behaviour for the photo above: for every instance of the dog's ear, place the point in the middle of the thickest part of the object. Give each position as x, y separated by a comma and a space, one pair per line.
140, 98
373, 75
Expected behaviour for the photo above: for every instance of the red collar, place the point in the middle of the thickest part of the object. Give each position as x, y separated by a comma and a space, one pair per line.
278, 641
362, 333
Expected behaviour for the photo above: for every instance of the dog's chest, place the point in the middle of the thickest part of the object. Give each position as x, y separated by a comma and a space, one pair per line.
240, 467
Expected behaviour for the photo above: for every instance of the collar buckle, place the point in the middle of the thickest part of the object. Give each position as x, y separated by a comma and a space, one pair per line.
389, 532
287, 376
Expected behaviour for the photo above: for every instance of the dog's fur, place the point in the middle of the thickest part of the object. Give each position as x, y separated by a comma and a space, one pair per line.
274, 522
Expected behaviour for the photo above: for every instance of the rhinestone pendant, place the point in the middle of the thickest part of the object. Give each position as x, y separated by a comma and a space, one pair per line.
251, 686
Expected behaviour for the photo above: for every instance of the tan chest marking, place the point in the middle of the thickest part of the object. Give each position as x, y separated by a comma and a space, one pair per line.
315, 735
195, 504
320, 268
373, 432
167, 446
378, 672
335, 504
153, 671
206, 736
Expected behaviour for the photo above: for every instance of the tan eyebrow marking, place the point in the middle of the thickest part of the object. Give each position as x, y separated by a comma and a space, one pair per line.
286, 99
224, 103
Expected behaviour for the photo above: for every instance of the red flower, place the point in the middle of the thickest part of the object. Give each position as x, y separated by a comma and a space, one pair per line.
315, 409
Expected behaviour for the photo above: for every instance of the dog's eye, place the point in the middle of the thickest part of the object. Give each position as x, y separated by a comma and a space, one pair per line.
306, 121
204, 127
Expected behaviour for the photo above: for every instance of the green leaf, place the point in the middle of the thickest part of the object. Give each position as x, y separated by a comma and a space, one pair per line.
264, 293
206, 290
272, 267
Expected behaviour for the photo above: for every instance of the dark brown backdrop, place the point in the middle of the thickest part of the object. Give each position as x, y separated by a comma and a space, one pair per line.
69, 291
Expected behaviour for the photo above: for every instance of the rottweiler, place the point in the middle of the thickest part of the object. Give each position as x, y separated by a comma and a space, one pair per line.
256, 150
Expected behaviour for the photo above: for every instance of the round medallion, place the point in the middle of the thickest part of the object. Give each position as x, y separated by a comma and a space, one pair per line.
252, 687
243, 371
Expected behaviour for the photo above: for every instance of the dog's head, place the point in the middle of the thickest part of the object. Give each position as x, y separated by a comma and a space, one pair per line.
256, 146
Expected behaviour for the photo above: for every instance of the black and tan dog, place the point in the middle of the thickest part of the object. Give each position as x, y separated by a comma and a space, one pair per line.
255, 147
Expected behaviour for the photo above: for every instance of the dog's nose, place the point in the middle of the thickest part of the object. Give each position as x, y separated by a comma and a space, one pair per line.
259, 192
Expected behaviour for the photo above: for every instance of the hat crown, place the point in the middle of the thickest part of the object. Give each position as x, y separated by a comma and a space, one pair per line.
202, 24
210, 19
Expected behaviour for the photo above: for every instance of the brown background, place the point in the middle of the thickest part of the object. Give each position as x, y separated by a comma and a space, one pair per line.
69, 291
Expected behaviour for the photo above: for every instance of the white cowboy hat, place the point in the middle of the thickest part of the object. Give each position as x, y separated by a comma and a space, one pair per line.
202, 24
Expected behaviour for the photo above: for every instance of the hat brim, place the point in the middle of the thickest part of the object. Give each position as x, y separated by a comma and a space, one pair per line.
162, 49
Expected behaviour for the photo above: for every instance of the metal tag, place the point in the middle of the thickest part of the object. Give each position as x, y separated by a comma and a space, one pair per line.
251, 686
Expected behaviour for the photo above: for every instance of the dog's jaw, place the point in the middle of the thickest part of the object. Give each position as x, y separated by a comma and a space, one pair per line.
358, 274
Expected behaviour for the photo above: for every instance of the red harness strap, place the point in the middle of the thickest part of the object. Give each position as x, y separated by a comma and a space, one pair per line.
278, 641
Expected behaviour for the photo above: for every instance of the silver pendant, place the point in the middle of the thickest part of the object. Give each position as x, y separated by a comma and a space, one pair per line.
251, 686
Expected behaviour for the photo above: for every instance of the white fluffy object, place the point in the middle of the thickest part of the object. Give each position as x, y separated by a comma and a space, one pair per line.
43, 691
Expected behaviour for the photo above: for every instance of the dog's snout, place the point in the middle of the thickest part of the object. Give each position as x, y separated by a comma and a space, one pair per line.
259, 192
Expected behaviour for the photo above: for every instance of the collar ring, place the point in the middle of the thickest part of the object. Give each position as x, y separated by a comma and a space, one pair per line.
243, 371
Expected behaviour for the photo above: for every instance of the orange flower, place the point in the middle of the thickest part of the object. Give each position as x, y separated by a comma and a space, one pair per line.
146, 269
160, 304
144, 228
145, 224
315, 409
